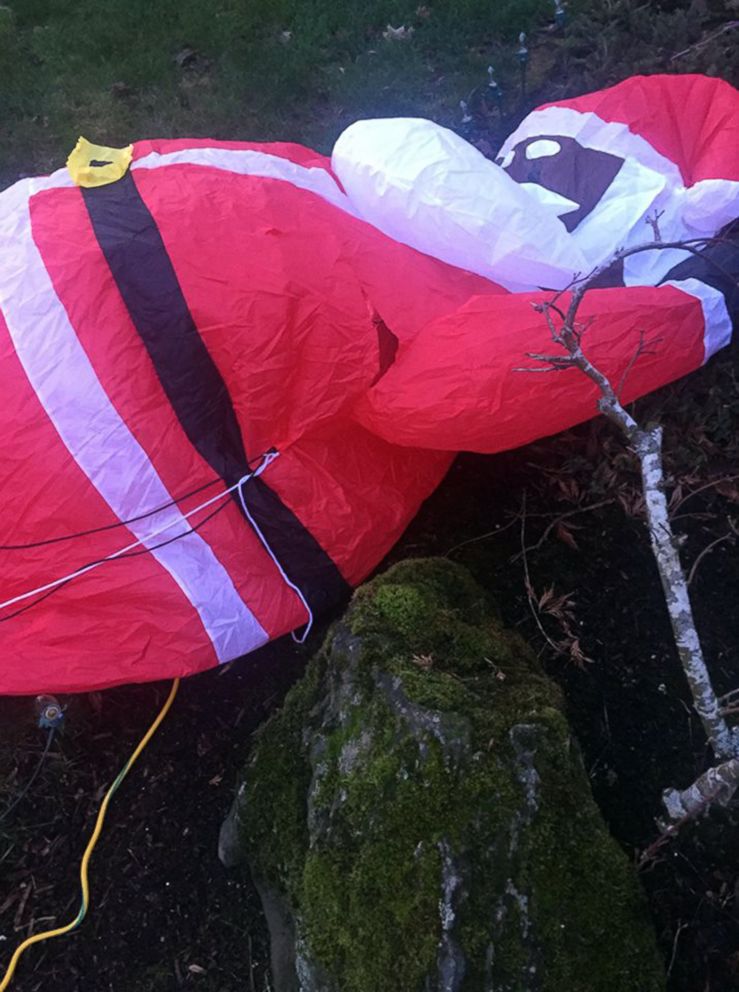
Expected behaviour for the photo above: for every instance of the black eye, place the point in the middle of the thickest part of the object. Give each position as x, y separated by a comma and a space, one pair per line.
97, 164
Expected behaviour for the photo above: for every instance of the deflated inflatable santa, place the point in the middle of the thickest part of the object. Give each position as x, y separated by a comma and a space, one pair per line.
232, 372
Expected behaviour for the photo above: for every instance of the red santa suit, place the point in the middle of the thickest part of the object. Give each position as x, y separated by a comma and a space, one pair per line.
232, 376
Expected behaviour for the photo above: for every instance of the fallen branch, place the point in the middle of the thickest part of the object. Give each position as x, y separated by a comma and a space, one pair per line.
646, 443
715, 787
582, 283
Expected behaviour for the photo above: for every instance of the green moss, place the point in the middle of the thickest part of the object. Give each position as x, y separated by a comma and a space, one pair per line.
401, 737
374, 892
403, 608
592, 929
275, 797
573, 911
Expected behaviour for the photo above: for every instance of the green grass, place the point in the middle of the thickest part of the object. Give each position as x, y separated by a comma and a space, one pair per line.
111, 70
118, 72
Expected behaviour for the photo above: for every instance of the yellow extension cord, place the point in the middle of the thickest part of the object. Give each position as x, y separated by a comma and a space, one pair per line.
84, 865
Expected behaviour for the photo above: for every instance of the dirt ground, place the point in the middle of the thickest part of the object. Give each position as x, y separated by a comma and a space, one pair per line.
164, 913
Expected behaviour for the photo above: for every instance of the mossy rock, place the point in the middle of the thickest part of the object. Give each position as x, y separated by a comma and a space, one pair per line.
417, 817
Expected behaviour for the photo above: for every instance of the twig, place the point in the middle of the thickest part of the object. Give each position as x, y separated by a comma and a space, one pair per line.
707, 550
638, 352
653, 222
681, 926
527, 579
482, 537
729, 702
700, 489
24, 792
729, 26
27, 888
559, 519
581, 283
250, 966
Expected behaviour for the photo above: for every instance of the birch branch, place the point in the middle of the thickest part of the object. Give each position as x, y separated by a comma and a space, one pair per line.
646, 442
715, 787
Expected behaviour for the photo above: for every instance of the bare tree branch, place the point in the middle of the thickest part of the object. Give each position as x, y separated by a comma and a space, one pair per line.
729, 26
646, 443
715, 787
581, 283
653, 221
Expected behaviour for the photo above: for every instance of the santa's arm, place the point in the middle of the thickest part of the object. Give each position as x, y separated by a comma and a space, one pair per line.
459, 386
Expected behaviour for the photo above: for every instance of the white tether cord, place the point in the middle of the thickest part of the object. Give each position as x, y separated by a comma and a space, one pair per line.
303, 637
121, 551
266, 460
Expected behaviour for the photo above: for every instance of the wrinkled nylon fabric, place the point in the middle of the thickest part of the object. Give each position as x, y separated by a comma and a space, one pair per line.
356, 320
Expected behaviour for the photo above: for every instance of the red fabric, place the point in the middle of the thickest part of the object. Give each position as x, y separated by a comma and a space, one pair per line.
354, 492
457, 385
289, 328
126, 372
286, 291
80, 637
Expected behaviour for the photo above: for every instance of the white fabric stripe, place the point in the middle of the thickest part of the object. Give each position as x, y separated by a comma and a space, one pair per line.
716, 319
96, 436
251, 163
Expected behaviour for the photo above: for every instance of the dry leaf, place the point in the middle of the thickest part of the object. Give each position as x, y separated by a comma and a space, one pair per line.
397, 34
424, 661
565, 535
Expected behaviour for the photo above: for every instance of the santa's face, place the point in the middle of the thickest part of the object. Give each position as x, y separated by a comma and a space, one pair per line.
602, 196
575, 178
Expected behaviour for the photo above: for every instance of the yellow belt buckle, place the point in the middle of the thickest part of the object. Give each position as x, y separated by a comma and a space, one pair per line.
95, 165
